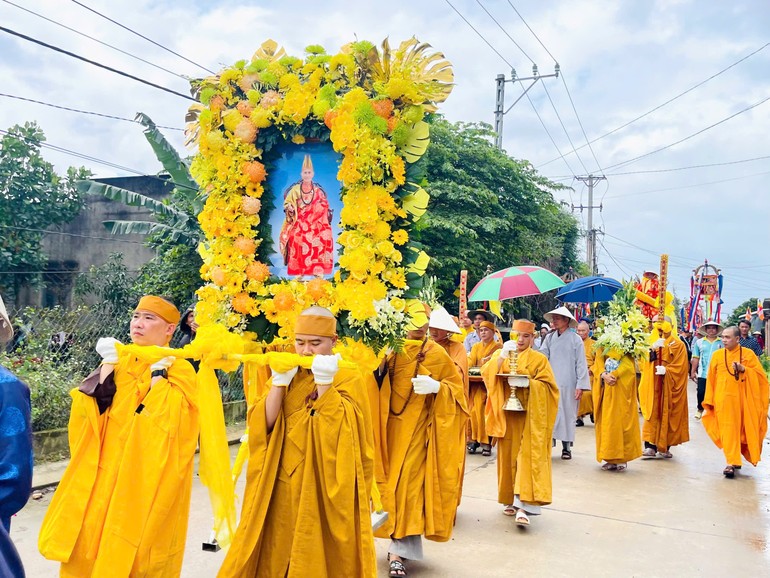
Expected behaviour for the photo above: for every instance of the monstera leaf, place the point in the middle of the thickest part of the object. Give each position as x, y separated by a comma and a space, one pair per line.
416, 201
417, 143
270, 51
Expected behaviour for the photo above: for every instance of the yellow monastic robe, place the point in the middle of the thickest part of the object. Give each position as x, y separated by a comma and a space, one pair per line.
306, 505
616, 413
663, 398
419, 451
523, 437
586, 400
477, 398
735, 411
122, 505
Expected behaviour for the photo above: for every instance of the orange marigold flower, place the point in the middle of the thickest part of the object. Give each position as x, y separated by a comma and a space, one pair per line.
242, 303
217, 103
316, 288
245, 108
255, 171
383, 108
250, 205
219, 276
392, 123
283, 301
245, 245
270, 98
257, 272
329, 118
245, 131
246, 83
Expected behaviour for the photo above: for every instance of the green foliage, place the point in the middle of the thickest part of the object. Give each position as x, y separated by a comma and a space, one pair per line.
114, 288
740, 311
488, 211
32, 198
173, 273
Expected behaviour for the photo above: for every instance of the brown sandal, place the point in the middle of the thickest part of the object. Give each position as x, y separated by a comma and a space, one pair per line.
729, 472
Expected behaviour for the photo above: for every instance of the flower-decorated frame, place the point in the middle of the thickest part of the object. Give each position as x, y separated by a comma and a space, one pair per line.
370, 103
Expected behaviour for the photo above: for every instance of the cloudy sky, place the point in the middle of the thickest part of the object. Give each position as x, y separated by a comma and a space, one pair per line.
654, 84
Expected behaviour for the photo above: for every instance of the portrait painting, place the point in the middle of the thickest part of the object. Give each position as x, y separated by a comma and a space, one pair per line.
305, 222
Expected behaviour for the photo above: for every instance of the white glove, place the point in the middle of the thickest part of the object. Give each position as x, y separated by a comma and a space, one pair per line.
425, 384
324, 368
284, 379
162, 364
106, 347
659, 343
508, 346
660, 370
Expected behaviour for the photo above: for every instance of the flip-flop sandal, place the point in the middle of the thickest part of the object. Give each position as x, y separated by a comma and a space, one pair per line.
397, 569
729, 472
609, 467
521, 518
667, 455
622, 467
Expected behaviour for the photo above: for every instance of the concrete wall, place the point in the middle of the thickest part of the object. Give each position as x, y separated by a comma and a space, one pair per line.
73, 248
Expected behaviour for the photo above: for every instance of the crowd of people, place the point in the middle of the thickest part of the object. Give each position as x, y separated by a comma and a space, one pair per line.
330, 444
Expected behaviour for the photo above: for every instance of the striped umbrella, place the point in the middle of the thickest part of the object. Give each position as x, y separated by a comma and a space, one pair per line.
515, 282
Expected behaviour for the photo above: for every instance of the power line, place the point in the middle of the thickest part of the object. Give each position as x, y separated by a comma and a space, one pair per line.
95, 39
689, 186
142, 36
558, 116
83, 111
634, 159
106, 163
477, 32
704, 166
532, 104
104, 66
47, 231
532, 31
505, 32
583, 130
669, 101
625, 272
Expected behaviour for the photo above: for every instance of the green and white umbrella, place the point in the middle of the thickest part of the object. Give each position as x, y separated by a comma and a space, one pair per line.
515, 282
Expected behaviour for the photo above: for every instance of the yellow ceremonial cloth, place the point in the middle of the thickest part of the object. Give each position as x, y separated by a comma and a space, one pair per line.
477, 397
306, 505
586, 401
735, 411
420, 452
663, 398
616, 413
122, 505
523, 437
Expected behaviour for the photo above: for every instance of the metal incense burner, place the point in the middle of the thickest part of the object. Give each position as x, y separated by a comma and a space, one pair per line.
515, 381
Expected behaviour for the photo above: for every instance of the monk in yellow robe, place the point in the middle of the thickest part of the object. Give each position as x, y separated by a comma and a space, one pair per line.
523, 437
616, 411
420, 411
306, 508
122, 506
480, 354
663, 393
736, 402
586, 406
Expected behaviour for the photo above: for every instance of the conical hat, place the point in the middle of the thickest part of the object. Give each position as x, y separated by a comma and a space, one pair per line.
440, 319
6, 329
564, 312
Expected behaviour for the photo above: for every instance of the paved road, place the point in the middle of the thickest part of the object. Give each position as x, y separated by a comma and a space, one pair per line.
660, 518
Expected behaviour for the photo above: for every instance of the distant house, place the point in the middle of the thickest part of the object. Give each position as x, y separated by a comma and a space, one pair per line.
74, 247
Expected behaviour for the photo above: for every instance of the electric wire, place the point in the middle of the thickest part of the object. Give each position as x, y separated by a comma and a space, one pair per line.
680, 141
532, 104
88, 112
64, 234
561, 122
648, 192
142, 36
478, 33
669, 101
94, 63
500, 26
532, 31
580, 123
95, 39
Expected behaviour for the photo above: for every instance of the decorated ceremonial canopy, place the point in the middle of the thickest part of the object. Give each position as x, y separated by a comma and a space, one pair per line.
310, 171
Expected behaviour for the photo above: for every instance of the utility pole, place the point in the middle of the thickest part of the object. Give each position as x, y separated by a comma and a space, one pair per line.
500, 81
590, 180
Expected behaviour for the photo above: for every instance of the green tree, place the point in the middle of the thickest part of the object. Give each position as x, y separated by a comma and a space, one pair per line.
489, 211
174, 233
740, 311
32, 198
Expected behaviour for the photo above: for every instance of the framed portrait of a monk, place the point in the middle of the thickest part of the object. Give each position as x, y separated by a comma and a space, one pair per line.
305, 222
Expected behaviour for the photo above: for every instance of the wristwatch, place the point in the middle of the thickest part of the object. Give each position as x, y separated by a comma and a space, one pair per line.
160, 373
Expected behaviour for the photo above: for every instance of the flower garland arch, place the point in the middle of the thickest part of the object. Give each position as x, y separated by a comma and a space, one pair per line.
370, 103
